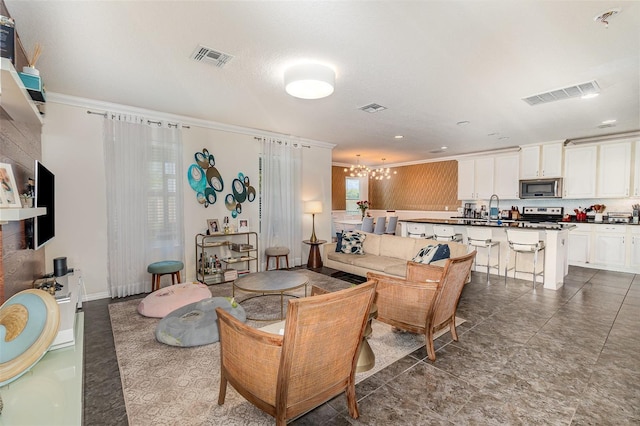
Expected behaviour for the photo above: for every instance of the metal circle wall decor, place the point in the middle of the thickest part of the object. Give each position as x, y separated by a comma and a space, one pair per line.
204, 178
241, 191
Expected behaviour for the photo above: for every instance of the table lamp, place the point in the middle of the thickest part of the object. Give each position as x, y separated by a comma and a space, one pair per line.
313, 207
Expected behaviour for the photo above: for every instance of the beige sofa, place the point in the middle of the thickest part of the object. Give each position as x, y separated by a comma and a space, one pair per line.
386, 254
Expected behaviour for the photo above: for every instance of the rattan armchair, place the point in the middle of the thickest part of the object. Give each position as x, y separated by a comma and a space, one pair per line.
426, 301
315, 360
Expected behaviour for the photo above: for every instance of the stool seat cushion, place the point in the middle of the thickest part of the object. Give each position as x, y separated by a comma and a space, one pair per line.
168, 299
196, 324
165, 267
276, 251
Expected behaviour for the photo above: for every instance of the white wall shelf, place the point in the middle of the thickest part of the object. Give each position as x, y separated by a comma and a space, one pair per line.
14, 98
14, 214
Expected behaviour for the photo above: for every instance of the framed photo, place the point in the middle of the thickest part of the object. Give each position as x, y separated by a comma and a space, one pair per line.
213, 226
9, 196
243, 225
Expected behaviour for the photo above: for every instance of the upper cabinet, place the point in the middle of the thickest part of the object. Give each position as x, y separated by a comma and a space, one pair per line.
580, 165
636, 172
14, 98
475, 178
614, 170
543, 160
506, 177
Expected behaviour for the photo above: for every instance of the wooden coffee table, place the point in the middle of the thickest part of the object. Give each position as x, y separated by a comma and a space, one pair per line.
270, 283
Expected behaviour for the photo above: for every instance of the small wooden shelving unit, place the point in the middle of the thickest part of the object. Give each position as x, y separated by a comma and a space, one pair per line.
14, 98
237, 254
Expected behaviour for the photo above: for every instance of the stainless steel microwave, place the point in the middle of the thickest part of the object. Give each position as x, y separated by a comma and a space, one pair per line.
541, 188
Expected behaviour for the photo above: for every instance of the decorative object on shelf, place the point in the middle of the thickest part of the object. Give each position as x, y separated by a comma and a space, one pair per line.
212, 226
313, 208
28, 197
28, 325
309, 81
243, 225
8, 189
30, 76
382, 172
204, 178
358, 170
8, 38
241, 191
363, 206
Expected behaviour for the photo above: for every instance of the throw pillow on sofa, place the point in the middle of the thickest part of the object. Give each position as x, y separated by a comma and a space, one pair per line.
352, 242
432, 253
338, 242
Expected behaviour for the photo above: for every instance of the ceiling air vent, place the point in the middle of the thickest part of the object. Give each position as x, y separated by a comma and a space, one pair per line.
373, 108
578, 90
210, 56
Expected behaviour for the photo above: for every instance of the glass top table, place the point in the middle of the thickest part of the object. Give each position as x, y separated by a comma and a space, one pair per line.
270, 283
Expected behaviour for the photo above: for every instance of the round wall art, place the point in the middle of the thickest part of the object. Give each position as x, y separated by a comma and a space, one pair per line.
241, 191
204, 178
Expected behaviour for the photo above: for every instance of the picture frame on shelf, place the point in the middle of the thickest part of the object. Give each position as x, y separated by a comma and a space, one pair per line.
243, 225
9, 196
213, 226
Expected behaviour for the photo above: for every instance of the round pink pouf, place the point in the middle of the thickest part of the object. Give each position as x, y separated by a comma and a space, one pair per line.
159, 303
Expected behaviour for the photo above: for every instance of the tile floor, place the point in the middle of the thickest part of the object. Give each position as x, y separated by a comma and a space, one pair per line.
566, 357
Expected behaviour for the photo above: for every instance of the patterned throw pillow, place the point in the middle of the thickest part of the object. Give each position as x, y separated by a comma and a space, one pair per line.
352, 242
432, 253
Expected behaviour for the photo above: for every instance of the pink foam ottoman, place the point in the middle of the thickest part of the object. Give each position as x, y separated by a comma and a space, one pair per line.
159, 303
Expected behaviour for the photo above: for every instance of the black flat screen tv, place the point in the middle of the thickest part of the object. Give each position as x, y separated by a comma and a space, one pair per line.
45, 225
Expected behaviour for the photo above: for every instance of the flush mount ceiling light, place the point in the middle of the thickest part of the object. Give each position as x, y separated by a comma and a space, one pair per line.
309, 81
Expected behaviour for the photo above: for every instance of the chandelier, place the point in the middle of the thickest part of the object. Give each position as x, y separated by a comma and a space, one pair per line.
382, 172
359, 170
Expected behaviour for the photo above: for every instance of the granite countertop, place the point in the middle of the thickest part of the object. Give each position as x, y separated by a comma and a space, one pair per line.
550, 226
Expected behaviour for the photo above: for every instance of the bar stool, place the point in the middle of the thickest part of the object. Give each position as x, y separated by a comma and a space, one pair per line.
445, 233
479, 237
524, 242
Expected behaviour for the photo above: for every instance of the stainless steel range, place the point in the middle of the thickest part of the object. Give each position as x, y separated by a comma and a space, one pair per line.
542, 214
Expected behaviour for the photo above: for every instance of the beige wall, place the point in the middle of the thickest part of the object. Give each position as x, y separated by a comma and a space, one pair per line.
72, 148
428, 186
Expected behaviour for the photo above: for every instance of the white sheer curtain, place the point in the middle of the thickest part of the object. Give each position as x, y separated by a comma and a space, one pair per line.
143, 164
281, 209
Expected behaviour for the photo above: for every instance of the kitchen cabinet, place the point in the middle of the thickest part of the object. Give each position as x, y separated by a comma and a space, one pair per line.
609, 245
475, 178
580, 165
579, 251
506, 177
636, 171
538, 161
614, 170
634, 255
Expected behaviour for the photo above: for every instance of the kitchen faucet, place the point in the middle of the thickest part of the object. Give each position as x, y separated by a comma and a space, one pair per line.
494, 212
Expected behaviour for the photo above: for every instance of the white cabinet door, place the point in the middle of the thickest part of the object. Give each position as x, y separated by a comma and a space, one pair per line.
466, 179
609, 245
579, 248
506, 177
551, 164
484, 177
635, 251
614, 172
636, 178
580, 172
530, 162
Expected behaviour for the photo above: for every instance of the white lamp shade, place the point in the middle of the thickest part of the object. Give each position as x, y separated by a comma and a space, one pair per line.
309, 81
313, 207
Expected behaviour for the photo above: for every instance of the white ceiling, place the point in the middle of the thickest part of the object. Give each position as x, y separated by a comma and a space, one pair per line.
431, 63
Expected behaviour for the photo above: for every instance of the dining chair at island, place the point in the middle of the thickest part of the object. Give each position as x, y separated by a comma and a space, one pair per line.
392, 225
367, 224
381, 225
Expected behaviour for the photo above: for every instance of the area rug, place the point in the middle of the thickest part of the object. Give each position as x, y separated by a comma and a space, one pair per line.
166, 385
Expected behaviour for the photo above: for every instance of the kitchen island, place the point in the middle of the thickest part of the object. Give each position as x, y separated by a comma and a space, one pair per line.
554, 235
